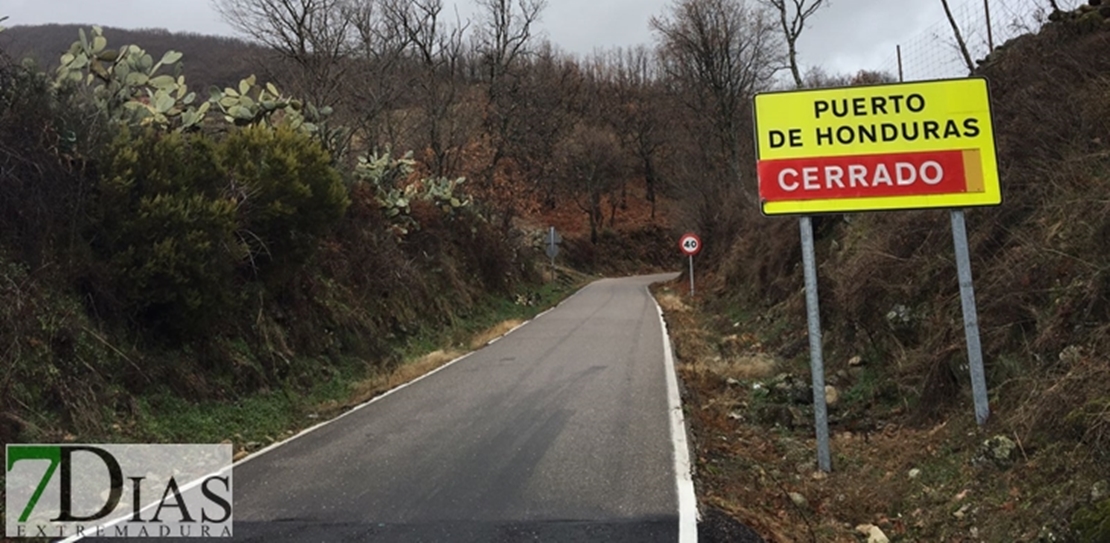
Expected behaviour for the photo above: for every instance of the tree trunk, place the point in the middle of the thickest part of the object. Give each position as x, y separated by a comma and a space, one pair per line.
793, 53
959, 37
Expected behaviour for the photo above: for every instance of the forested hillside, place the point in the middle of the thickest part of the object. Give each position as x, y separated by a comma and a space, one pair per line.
209, 60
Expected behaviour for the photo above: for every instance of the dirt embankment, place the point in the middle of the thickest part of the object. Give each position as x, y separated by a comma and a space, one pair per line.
909, 460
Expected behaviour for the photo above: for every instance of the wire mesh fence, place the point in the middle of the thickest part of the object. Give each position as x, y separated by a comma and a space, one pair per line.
933, 53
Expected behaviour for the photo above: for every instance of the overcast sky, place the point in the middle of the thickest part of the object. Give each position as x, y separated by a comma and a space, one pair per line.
845, 37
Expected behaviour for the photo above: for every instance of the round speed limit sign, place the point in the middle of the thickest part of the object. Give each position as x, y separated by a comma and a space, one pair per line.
690, 244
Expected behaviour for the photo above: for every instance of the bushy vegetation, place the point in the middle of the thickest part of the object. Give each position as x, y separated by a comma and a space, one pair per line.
198, 252
890, 308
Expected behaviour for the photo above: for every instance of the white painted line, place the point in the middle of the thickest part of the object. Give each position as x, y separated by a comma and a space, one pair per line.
356, 408
684, 481
506, 334
311, 429
382, 396
391, 391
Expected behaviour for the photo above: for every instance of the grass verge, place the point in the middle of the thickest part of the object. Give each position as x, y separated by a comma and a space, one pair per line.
256, 421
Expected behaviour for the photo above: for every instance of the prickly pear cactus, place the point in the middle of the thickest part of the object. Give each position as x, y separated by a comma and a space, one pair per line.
390, 178
126, 83
444, 193
253, 104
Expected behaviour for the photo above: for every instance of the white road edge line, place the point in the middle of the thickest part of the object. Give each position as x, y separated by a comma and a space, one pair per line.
398, 388
684, 481
311, 429
367, 403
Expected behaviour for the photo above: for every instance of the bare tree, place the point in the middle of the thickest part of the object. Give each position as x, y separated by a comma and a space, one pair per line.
591, 167
374, 86
960, 43
716, 54
637, 112
505, 31
792, 18
503, 37
312, 34
436, 50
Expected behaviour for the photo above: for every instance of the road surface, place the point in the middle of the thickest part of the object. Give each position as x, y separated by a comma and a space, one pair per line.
558, 432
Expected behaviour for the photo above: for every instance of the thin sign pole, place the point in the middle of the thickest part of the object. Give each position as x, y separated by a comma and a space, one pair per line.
971, 318
691, 275
817, 364
990, 31
552, 241
901, 76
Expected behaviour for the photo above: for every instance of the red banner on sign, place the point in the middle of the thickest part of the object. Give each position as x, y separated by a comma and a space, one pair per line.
871, 176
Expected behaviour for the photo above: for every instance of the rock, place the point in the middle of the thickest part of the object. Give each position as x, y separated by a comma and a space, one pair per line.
1000, 450
1100, 490
874, 533
915, 473
735, 416
239, 456
877, 536
832, 396
253, 446
855, 361
799, 500
962, 512
802, 394
732, 382
797, 418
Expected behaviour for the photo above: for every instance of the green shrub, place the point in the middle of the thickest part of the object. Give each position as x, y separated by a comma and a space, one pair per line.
165, 228
288, 195
1092, 525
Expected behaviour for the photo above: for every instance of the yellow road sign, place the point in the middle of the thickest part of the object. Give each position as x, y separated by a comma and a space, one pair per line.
900, 146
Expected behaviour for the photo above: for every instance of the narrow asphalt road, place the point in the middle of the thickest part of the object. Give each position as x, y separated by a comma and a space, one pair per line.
557, 432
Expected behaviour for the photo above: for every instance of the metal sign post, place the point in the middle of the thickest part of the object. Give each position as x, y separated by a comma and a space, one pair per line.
690, 244
816, 358
971, 318
839, 151
552, 242
691, 275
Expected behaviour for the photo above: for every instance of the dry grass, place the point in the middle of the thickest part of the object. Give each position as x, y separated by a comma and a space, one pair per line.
384, 381
672, 303
378, 384
498, 330
748, 467
744, 368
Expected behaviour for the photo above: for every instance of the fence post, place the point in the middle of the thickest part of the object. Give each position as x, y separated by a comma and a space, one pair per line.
990, 31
